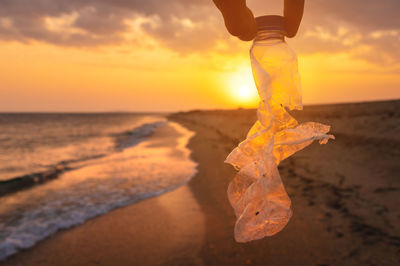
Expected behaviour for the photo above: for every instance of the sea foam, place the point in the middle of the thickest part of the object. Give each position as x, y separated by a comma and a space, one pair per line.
159, 163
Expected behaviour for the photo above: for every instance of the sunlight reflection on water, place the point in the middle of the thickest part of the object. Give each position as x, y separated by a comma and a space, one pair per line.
96, 186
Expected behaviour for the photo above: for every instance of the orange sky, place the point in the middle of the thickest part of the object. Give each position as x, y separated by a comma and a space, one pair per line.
138, 59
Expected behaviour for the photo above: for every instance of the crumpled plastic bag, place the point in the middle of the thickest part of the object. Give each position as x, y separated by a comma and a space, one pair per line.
256, 193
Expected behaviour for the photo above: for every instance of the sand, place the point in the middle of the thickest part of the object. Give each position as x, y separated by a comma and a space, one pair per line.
345, 197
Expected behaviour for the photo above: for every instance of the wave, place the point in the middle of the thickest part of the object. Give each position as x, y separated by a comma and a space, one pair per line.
122, 141
132, 137
95, 187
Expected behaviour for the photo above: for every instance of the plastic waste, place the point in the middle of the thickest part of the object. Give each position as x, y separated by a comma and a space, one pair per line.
256, 193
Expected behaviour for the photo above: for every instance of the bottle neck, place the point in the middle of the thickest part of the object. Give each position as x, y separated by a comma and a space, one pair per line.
269, 36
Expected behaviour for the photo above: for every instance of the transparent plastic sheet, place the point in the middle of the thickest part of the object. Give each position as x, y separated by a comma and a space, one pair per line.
256, 193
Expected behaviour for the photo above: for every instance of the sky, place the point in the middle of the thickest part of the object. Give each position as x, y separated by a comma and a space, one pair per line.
153, 55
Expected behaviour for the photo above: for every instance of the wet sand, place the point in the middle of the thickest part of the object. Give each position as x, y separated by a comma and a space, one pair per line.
345, 197
151, 232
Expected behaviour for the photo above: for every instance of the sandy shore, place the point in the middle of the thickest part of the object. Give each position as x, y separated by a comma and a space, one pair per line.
344, 195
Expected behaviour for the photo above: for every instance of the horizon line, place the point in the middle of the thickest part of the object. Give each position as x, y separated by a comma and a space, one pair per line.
186, 110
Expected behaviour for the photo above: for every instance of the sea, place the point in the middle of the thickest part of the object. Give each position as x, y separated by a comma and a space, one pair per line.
59, 170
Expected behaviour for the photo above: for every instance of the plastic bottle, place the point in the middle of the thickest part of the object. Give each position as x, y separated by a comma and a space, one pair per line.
275, 70
256, 193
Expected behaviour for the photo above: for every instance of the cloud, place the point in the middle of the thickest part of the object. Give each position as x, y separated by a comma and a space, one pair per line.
366, 28
358, 27
87, 23
367, 15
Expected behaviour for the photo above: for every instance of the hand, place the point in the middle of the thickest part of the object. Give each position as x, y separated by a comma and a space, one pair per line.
240, 22
238, 18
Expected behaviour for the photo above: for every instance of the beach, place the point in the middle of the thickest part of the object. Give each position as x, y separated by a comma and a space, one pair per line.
344, 196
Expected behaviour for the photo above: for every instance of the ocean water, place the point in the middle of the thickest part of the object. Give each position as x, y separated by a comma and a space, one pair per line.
58, 170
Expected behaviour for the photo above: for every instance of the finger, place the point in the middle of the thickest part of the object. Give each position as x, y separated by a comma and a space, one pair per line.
239, 20
293, 13
249, 27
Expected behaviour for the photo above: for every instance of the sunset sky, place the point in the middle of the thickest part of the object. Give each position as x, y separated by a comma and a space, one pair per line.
153, 55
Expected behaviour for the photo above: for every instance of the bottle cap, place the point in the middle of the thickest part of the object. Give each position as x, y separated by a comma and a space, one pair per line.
271, 22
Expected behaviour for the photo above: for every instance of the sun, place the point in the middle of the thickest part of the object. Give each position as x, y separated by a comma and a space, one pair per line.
241, 87
244, 92
245, 95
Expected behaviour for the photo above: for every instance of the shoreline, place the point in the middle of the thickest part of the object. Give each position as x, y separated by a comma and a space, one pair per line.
343, 196
137, 176
123, 236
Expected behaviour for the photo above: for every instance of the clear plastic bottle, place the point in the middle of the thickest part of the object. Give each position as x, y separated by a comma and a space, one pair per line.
256, 193
275, 71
